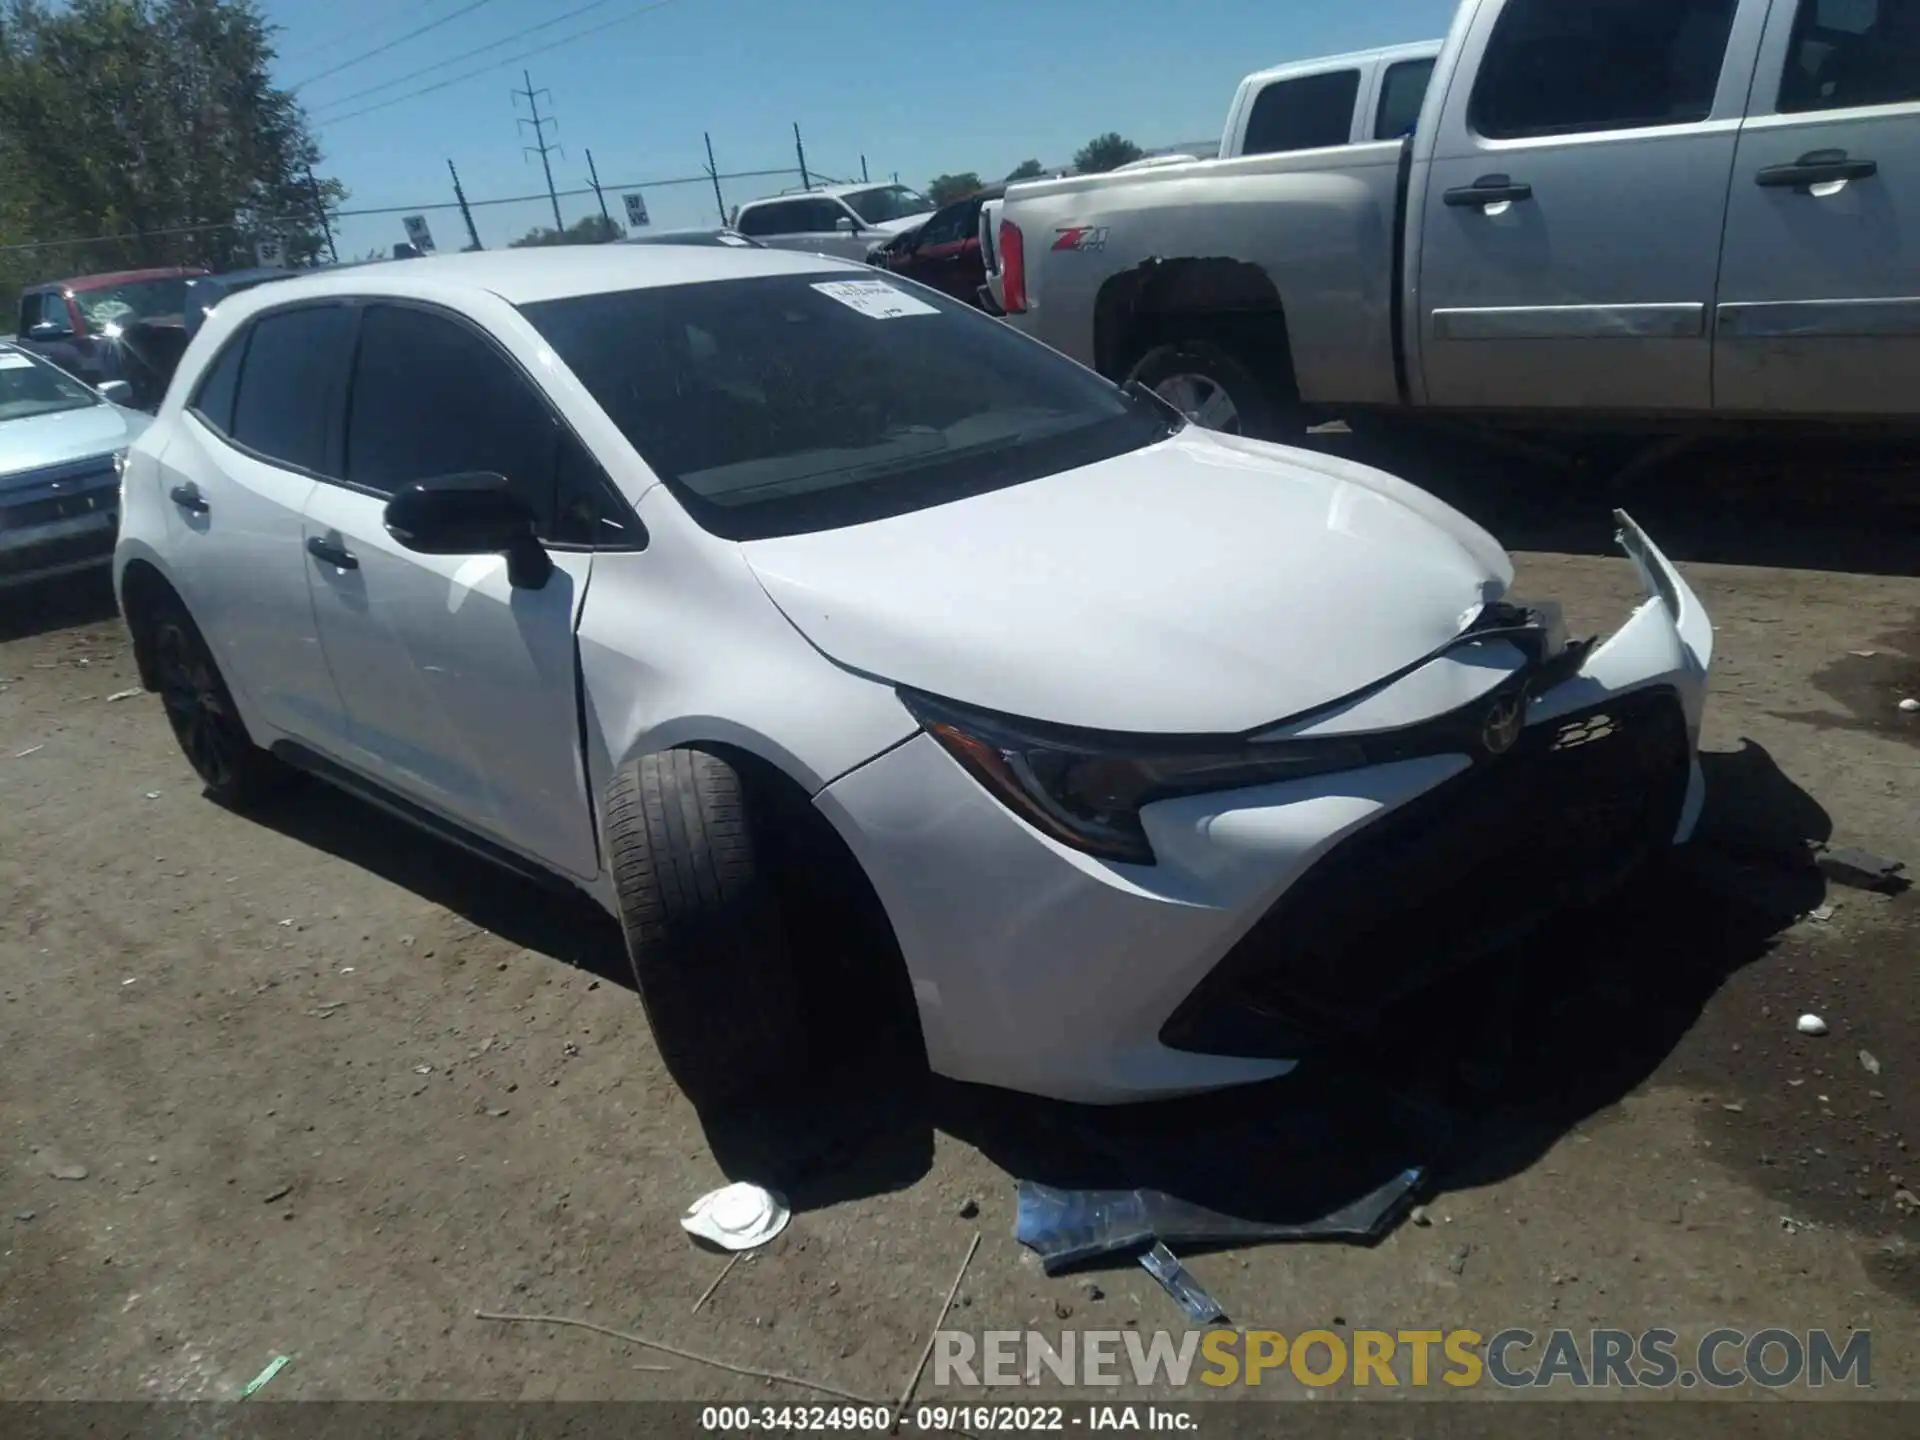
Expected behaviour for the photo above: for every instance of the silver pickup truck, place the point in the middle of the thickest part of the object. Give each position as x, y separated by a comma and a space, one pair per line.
1614, 210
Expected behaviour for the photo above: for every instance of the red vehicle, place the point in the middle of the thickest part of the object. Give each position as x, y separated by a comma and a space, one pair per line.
129, 325
945, 252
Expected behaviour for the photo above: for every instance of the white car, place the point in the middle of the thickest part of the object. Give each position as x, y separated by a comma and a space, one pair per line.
842, 220
760, 597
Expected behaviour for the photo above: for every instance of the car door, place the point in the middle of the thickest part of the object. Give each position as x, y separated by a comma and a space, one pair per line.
1572, 208
256, 435
946, 252
1819, 310
460, 688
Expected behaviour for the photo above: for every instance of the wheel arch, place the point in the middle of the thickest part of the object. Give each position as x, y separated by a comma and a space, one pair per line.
140, 584
1231, 302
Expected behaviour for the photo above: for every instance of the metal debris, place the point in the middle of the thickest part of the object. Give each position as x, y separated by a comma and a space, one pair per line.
30, 750
1187, 1292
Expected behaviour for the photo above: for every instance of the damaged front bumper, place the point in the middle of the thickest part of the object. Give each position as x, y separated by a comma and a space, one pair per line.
1040, 968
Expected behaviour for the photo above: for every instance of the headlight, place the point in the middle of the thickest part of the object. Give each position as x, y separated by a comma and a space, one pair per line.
1086, 789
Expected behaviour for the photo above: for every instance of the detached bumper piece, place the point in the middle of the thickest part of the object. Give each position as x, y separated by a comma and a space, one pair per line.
1450, 878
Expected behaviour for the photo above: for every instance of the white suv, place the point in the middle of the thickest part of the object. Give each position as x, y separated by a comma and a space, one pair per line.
844, 220
856, 651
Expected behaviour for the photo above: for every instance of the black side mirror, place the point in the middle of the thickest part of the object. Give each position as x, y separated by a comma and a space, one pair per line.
476, 514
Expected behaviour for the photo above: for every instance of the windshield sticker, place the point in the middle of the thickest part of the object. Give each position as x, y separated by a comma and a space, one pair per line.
875, 299
14, 360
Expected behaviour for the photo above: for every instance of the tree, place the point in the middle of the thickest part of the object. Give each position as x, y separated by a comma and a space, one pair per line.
1106, 152
945, 189
589, 230
1026, 170
153, 123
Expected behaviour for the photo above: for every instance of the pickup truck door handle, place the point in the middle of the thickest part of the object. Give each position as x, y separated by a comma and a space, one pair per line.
188, 498
1488, 190
1822, 167
332, 554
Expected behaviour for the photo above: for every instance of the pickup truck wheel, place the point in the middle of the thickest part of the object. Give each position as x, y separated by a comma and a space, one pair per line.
701, 912
1211, 388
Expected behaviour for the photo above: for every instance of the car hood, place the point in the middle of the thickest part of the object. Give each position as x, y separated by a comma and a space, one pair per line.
66, 435
894, 228
1203, 585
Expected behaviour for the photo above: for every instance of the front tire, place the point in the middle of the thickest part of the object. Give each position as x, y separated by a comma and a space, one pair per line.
700, 907
200, 709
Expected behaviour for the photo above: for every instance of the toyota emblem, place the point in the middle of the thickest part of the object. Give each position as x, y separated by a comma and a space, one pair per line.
1502, 728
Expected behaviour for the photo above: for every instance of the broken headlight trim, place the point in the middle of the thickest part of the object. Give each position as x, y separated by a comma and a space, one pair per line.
1086, 788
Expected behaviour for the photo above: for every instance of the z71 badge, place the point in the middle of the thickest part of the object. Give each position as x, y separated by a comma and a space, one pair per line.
1085, 238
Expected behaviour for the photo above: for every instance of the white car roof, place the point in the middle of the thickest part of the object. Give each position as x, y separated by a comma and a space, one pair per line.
833, 192
536, 273
1387, 54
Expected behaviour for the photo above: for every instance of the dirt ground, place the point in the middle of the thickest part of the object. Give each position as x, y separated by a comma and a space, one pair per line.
306, 1083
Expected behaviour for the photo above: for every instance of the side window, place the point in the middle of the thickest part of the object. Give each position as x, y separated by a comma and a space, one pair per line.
213, 401
1310, 113
1552, 68
769, 220
955, 223
1848, 53
824, 216
585, 512
288, 406
1403, 90
432, 397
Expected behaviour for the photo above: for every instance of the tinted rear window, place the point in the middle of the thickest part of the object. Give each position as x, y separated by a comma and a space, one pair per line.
789, 403
1310, 113
288, 408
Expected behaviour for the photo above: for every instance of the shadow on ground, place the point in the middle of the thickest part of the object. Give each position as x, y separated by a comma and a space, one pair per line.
85, 598
1798, 502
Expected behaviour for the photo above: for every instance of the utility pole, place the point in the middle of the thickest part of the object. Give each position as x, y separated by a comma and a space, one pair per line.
863, 169
466, 211
593, 177
320, 208
806, 181
713, 174
542, 148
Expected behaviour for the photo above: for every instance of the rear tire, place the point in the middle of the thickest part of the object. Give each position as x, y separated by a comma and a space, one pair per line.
701, 912
1217, 391
200, 708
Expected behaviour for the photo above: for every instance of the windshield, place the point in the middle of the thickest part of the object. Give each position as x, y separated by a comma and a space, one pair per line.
136, 300
30, 386
789, 403
889, 202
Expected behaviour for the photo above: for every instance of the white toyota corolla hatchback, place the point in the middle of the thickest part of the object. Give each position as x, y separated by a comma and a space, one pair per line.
755, 595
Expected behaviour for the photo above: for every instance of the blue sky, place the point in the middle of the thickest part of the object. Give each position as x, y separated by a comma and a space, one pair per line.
919, 88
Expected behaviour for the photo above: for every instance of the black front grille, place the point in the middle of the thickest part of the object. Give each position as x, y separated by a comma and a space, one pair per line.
31, 560
1451, 877
58, 507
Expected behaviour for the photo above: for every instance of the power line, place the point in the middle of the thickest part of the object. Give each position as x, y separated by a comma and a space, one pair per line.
332, 42
489, 47
413, 34
498, 65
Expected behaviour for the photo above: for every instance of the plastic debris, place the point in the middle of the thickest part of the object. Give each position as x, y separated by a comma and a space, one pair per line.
274, 1367
1187, 1292
737, 1217
1869, 1062
1820, 914
1851, 865
1810, 1024
124, 695
1909, 705
1068, 1227
30, 750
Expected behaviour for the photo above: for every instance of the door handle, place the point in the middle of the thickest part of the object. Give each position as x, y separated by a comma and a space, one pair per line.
188, 498
1822, 167
1488, 190
332, 554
